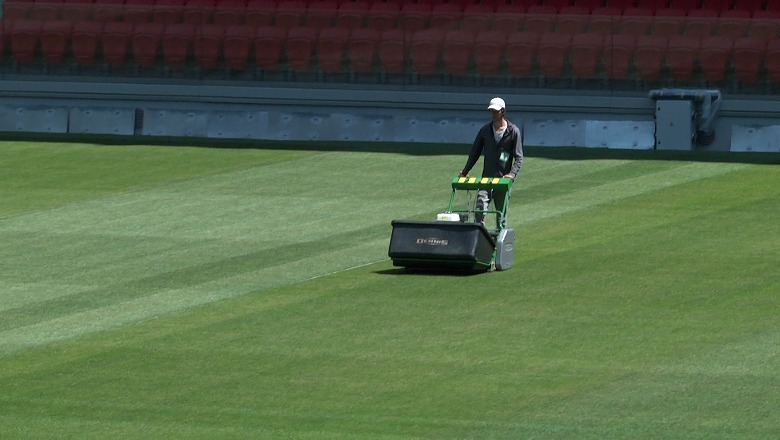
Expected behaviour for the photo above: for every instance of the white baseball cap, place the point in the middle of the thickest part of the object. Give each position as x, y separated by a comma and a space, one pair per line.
496, 104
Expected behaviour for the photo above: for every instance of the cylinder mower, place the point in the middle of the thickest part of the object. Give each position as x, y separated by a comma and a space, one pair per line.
458, 239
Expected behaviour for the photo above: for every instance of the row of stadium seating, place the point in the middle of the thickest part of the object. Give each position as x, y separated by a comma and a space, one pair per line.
430, 52
330, 12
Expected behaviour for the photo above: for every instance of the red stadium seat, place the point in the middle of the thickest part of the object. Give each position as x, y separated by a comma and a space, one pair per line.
25, 37
108, 10
168, 11
509, 18
300, 45
477, 18
521, 49
257, 13
456, 51
232, 12
489, 52
84, 41
47, 10
765, 24
572, 20
773, 60
714, 57
649, 56
748, 56
77, 10
552, 53
733, 23
425, 50
392, 51
446, 16
751, 6
331, 47
238, 46
382, 16
207, 45
177, 44
557, 4
138, 11
719, 5
604, 20
352, 15
269, 44
701, 22
621, 4
115, 42
17, 9
540, 19
146, 43
618, 55
681, 56
636, 21
586, 50
685, 5
290, 13
362, 49
321, 13
198, 11
415, 16
590, 4
55, 41
668, 22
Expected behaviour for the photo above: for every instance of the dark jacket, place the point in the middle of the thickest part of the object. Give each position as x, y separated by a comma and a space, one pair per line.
511, 144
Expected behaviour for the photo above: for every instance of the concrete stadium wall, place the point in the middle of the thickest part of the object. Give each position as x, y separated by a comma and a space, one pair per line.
279, 112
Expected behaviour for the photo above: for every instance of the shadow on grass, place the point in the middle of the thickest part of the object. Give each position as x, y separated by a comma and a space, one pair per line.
429, 272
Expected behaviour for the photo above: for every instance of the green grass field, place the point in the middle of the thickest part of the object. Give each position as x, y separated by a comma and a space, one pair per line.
184, 292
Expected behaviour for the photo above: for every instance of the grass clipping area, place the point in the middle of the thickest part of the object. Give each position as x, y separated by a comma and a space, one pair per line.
177, 292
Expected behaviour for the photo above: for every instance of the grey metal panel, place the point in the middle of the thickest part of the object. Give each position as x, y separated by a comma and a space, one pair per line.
102, 120
159, 122
674, 127
39, 119
238, 125
638, 135
552, 133
755, 138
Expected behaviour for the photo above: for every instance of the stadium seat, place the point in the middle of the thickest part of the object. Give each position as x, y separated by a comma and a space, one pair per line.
681, 56
765, 24
446, 16
668, 22
751, 6
552, 53
17, 9
352, 15
115, 42
477, 18
198, 11
138, 11
25, 36
77, 10
289, 13
3, 39
146, 43
572, 20
557, 4
415, 16
649, 56
748, 55
701, 22
362, 49
321, 13
590, 4
47, 10
300, 44
773, 60
540, 19
331, 47
392, 51
604, 20
232, 12
55, 40
269, 44
489, 52
168, 11
718, 5
714, 57
108, 10
618, 55
456, 51
177, 43
733, 23
621, 5
636, 21
257, 13
207, 44
425, 50
509, 18
84, 41
521, 50
685, 5
585, 55
238, 46
383, 15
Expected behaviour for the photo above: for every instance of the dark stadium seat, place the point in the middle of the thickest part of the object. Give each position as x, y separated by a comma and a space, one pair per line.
748, 55
668, 22
321, 13
147, 38
55, 40
552, 53
362, 49
47, 10
765, 24
168, 11
714, 56
84, 41
25, 36
261, 13
540, 19
115, 42
77, 10
289, 13
477, 18
299, 46
138, 11
383, 15
270, 43
685, 5
681, 56
649, 56
751, 6
17, 9
207, 44
352, 15
773, 60
425, 50
177, 44
719, 5
198, 11
509, 18
457, 50
557, 4
521, 49
621, 4
3, 39
415, 16
108, 10
733, 23
392, 51
446, 16
489, 52
585, 54
701, 22
590, 4
232, 12
572, 20
604, 20
618, 55
331, 48
239, 45
636, 21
